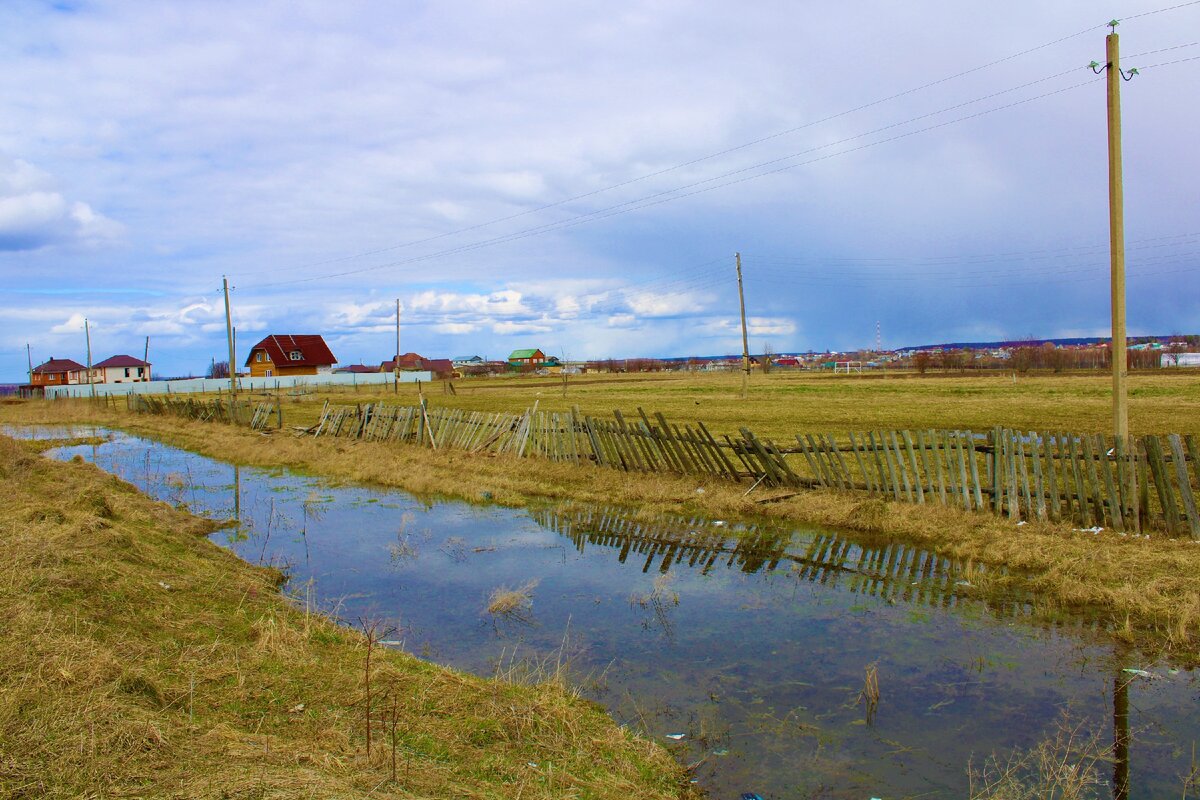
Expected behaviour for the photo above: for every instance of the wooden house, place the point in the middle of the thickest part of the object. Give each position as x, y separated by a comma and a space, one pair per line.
123, 369
526, 358
58, 372
282, 355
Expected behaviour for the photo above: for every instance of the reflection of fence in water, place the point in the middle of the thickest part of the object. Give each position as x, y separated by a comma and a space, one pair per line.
890, 571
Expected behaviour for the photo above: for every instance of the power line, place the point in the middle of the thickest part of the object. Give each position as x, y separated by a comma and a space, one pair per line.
734, 149
669, 195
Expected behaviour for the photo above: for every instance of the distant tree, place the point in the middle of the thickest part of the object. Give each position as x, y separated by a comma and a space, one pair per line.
1052, 357
768, 357
218, 369
921, 361
1024, 358
1178, 344
952, 360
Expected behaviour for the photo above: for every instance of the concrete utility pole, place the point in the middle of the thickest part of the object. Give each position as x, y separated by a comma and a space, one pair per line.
396, 363
229, 337
1116, 237
745, 339
29, 358
146, 358
87, 334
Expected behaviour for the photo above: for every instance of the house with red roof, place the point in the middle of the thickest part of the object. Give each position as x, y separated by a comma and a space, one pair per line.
280, 355
411, 362
58, 372
122, 369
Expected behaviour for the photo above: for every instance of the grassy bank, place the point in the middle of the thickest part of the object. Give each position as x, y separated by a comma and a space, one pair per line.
139, 659
1143, 588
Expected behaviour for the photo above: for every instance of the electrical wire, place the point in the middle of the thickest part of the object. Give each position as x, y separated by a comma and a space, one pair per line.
715, 182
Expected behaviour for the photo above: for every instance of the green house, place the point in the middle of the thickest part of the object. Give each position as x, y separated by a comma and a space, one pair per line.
526, 358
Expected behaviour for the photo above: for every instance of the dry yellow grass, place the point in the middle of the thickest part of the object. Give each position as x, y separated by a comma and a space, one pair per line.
782, 404
139, 659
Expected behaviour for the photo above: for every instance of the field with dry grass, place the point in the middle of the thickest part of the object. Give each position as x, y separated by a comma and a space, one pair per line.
781, 404
139, 659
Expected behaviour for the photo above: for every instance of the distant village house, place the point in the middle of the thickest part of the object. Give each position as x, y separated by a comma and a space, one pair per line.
529, 358
411, 362
292, 354
58, 372
123, 369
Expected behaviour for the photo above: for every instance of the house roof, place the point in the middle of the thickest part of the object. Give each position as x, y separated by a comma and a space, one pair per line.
358, 369
313, 350
438, 365
461, 359
523, 353
122, 361
57, 365
407, 361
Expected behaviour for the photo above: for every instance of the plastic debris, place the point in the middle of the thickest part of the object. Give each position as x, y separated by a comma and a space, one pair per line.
721, 751
676, 736
718, 522
296, 709
1022, 522
962, 583
751, 796
166, 586
700, 490
1141, 673
1096, 529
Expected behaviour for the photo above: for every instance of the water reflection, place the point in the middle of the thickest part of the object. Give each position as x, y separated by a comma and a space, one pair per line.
749, 641
891, 571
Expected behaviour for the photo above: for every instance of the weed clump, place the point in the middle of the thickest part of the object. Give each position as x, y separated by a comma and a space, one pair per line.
515, 604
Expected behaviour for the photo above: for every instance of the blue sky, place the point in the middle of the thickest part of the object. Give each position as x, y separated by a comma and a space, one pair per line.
578, 176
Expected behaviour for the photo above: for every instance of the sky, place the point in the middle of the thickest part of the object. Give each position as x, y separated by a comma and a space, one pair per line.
579, 176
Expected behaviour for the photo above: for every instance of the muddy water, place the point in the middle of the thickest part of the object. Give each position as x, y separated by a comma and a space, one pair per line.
744, 649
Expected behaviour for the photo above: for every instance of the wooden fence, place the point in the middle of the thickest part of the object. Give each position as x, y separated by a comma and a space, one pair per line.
1148, 483
258, 416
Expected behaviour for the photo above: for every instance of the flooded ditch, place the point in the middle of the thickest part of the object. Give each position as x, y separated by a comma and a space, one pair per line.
746, 650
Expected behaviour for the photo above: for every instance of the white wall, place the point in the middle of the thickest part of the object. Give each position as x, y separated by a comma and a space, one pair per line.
193, 385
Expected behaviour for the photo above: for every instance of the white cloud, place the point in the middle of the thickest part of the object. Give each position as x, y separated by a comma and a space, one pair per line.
510, 328
770, 326
33, 215
455, 328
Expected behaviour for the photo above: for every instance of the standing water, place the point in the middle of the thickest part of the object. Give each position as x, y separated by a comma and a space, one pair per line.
787, 662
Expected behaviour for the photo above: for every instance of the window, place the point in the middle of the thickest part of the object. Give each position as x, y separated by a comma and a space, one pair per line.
295, 355
258, 356
268, 373
127, 372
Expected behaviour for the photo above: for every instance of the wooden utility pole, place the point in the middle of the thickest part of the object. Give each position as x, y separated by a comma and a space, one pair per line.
1116, 238
146, 358
396, 363
229, 337
87, 335
745, 339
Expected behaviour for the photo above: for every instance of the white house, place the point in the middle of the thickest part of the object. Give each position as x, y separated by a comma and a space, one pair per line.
122, 369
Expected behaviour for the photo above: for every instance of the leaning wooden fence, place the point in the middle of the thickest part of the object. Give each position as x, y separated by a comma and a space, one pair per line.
1147, 483
258, 416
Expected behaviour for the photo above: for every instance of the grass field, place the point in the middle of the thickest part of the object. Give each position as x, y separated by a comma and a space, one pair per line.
781, 404
140, 660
